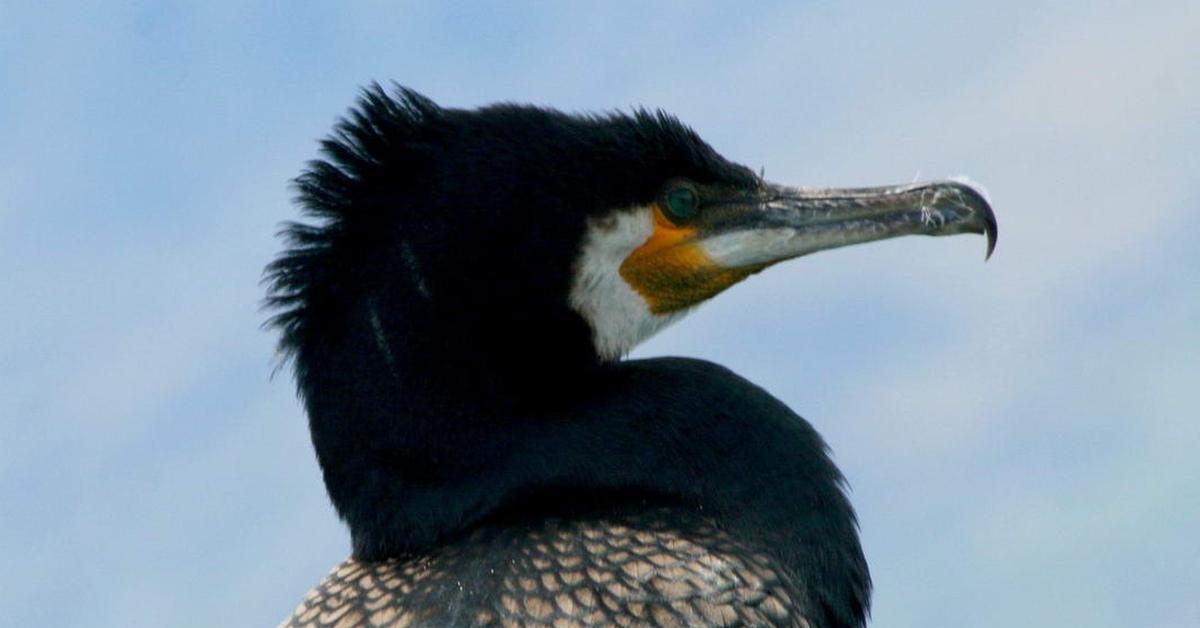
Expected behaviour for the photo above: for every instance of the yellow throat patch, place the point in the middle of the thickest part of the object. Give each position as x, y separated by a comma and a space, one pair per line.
671, 271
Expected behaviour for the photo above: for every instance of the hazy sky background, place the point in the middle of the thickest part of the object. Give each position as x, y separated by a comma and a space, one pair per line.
1022, 436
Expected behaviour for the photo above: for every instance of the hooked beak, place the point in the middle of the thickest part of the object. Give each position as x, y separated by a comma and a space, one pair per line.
790, 222
737, 235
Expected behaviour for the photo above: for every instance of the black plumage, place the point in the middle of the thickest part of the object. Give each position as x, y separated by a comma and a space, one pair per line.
468, 431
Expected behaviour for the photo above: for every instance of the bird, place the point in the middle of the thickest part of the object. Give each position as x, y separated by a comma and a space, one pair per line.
456, 305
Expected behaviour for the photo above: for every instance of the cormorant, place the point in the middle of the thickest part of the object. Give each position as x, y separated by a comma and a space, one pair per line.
457, 318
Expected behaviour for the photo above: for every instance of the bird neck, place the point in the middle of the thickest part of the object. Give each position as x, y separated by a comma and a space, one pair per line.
409, 409
413, 457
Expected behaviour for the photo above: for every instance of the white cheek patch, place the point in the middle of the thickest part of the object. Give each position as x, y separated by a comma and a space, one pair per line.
618, 315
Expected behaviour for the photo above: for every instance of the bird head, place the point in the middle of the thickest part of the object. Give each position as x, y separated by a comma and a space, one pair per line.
523, 238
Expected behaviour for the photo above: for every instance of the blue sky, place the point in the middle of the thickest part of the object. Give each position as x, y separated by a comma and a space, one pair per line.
1022, 436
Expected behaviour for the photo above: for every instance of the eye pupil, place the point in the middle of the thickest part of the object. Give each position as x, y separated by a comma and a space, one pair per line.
681, 203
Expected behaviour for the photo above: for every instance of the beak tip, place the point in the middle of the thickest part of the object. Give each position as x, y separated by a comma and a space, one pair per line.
977, 200
991, 238
990, 230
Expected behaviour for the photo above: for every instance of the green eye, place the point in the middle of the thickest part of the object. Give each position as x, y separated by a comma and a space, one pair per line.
681, 203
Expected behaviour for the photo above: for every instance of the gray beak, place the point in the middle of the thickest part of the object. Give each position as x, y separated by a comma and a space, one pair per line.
791, 222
